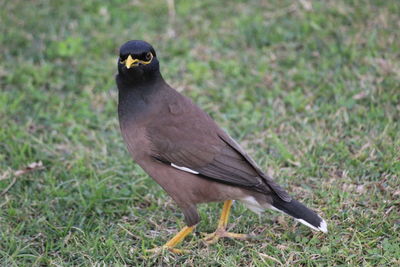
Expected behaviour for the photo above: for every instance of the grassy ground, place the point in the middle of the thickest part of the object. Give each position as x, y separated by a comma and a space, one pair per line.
311, 89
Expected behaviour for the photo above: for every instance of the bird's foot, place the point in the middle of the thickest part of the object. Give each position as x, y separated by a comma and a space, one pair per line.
221, 232
158, 250
170, 245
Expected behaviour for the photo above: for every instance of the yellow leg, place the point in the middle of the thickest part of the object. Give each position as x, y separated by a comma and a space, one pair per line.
222, 223
174, 241
226, 210
179, 236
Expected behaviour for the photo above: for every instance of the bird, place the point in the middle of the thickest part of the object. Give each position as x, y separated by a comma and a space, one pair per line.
184, 150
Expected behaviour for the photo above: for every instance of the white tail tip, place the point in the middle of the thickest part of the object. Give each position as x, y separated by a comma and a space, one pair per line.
322, 226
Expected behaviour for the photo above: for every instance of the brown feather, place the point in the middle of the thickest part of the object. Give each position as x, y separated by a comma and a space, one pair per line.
190, 138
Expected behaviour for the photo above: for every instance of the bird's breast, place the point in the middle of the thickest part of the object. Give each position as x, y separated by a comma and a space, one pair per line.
133, 117
135, 139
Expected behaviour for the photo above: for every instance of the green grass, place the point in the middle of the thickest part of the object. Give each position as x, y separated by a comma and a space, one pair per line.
311, 89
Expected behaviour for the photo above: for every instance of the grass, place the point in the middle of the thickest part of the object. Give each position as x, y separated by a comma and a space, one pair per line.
311, 89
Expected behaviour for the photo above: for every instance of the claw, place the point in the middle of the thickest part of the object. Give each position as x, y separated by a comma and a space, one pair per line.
173, 242
220, 233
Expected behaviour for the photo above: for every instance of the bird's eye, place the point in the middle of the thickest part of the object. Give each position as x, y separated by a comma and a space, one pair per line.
149, 56
122, 59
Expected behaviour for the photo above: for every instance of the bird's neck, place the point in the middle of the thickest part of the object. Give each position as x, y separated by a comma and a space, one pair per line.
132, 82
135, 95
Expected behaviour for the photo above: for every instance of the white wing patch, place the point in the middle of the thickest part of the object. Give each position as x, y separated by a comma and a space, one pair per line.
184, 169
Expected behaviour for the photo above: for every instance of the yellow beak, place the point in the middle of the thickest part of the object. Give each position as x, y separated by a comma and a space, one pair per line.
131, 62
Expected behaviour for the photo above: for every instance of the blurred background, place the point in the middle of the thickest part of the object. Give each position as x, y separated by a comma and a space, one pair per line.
310, 89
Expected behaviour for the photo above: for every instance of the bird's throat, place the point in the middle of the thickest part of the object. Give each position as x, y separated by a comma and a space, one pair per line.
137, 78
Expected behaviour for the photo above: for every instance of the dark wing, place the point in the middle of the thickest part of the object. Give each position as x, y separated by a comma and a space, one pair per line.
191, 140
274, 186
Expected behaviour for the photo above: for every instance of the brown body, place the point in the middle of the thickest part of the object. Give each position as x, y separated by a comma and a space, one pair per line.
170, 112
183, 149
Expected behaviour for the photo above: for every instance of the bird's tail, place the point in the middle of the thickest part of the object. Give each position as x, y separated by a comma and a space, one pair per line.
300, 213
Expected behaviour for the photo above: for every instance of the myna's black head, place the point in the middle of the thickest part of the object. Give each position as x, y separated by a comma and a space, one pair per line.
137, 61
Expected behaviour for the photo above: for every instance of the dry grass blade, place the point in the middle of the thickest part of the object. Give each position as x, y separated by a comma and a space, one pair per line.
265, 256
31, 167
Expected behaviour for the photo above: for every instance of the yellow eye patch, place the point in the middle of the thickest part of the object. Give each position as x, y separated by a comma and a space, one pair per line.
130, 62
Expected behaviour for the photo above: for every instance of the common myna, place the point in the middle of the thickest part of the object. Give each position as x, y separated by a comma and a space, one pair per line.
183, 149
